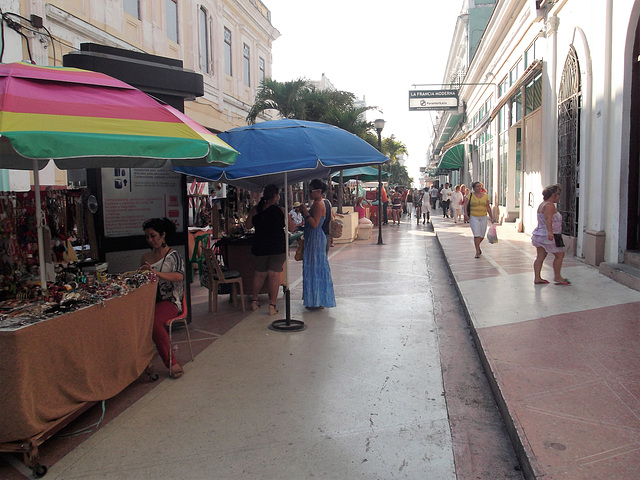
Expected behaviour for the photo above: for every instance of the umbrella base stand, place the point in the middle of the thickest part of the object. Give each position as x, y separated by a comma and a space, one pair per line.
287, 324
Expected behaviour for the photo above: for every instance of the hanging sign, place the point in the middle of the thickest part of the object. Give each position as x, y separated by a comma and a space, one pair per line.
433, 99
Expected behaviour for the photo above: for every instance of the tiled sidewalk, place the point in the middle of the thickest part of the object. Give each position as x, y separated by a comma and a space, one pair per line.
562, 360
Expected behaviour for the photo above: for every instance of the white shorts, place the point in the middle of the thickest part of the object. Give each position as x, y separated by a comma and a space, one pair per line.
478, 226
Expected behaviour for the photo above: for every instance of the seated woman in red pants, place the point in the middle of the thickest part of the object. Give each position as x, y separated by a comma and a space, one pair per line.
168, 265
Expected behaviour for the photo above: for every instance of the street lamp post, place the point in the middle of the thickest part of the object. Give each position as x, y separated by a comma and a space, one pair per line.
379, 125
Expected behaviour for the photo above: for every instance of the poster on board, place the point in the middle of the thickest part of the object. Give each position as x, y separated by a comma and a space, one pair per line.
132, 195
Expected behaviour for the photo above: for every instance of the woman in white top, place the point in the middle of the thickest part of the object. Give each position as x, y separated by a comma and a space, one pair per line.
457, 200
168, 266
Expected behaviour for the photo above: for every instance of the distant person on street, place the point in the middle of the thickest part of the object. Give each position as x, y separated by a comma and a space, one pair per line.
396, 205
385, 206
480, 207
457, 201
423, 206
409, 202
445, 200
464, 192
296, 216
433, 195
547, 236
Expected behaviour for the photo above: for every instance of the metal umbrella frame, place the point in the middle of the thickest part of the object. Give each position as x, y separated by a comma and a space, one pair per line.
282, 151
83, 119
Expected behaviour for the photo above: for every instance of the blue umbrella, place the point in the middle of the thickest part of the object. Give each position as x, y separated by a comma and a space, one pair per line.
299, 148
281, 151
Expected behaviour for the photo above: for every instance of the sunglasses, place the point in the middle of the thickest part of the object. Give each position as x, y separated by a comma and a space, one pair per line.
315, 189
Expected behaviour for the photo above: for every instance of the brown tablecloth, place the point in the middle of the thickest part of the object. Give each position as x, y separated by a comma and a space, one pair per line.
50, 369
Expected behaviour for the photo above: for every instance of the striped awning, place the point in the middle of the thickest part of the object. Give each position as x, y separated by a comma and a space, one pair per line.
453, 159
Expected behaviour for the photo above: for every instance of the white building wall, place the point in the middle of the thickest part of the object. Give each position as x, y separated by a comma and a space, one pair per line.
602, 33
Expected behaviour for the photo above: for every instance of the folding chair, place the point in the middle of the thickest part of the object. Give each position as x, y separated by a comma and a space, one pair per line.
197, 256
182, 318
218, 277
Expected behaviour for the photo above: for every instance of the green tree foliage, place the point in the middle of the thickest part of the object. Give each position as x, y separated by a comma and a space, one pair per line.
302, 100
392, 148
285, 97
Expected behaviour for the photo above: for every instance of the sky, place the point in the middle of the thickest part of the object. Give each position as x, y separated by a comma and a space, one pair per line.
376, 49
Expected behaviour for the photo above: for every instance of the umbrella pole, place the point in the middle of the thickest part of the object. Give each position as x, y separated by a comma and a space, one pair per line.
43, 265
287, 325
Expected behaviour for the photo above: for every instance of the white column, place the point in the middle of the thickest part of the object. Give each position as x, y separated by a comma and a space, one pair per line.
550, 118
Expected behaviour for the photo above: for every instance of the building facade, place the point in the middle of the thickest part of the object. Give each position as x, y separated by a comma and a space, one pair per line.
227, 41
552, 95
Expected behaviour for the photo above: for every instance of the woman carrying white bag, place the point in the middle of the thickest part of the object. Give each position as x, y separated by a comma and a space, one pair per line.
479, 207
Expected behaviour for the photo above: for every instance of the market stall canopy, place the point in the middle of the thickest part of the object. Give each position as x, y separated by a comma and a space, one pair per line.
363, 174
300, 148
286, 150
84, 119
453, 159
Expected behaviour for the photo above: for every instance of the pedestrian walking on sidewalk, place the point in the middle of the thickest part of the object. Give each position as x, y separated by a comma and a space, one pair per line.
464, 192
547, 236
317, 286
409, 202
457, 200
433, 196
396, 206
445, 200
480, 207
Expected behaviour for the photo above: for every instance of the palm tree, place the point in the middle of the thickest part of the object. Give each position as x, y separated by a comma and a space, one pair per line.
318, 103
349, 119
285, 97
392, 148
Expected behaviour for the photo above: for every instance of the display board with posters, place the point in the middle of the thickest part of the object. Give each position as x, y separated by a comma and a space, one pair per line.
132, 195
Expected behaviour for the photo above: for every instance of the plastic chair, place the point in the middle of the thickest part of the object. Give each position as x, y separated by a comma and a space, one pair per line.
218, 277
197, 256
182, 318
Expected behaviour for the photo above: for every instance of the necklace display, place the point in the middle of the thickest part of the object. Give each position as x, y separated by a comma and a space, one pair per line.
30, 305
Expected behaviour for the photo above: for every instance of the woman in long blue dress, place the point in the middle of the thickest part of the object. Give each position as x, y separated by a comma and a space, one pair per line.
317, 286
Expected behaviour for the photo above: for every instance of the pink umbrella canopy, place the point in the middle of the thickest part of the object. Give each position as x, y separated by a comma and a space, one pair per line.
84, 119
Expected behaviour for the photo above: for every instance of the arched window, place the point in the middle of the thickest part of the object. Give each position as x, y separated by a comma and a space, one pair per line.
569, 105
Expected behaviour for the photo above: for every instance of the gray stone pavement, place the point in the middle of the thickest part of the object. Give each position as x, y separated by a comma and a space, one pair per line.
358, 394
562, 359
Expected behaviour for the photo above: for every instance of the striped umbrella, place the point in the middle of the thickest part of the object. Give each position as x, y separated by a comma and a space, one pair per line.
83, 119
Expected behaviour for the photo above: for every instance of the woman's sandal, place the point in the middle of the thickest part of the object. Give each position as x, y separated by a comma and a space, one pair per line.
564, 281
254, 305
150, 371
541, 282
176, 371
272, 309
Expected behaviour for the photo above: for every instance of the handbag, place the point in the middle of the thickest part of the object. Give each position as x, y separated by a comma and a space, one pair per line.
335, 229
300, 251
492, 234
558, 239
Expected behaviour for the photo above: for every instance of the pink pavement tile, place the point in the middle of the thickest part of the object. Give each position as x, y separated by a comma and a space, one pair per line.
596, 404
572, 387
522, 382
565, 447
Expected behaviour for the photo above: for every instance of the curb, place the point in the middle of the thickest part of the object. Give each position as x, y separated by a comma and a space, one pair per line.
515, 434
